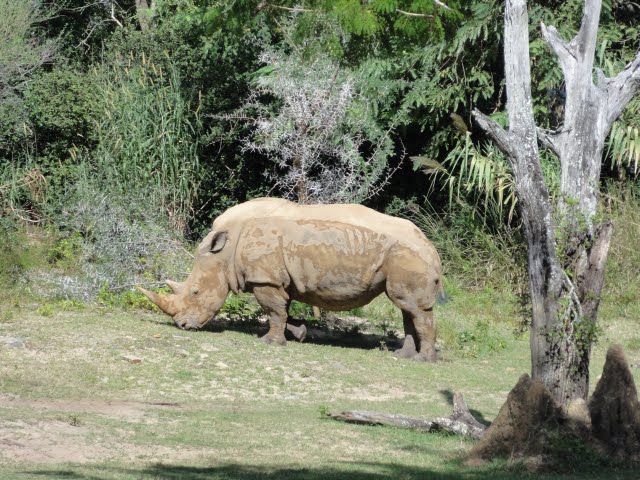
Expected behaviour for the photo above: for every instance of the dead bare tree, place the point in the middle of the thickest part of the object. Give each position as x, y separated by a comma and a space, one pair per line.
567, 245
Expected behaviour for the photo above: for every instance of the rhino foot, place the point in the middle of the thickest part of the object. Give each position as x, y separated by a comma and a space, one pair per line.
405, 352
408, 349
274, 340
298, 331
428, 356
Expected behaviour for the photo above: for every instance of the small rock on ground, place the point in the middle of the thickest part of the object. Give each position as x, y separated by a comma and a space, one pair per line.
132, 359
14, 342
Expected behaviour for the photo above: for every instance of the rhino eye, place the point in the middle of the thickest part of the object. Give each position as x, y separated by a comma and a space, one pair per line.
195, 291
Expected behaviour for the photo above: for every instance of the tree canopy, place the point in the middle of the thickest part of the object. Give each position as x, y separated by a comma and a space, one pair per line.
421, 65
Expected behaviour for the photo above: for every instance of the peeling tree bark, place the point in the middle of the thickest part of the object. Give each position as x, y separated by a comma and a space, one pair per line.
566, 260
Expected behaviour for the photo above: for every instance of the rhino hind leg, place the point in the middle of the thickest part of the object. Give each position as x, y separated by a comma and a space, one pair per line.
274, 302
298, 329
409, 346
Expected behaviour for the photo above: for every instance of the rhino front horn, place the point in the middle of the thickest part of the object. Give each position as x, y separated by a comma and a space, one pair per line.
176, 287
164, 302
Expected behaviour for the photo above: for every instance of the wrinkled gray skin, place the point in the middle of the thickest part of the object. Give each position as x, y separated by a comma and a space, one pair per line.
336, 257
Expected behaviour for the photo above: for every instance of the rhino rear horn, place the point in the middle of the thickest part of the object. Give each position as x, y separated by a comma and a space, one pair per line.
164, 302
176, 287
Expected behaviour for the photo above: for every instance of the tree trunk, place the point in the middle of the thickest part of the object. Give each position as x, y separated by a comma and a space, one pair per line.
301, 188
566, 272
144, 12
521, 148
590, 110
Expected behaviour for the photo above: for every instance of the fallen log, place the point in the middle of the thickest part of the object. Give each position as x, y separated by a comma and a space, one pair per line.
461, 422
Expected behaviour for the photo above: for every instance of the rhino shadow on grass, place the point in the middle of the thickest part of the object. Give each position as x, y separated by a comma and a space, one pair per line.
338, 333
343, 334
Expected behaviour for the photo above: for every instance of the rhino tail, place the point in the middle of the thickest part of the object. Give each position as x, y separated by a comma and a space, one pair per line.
442, 297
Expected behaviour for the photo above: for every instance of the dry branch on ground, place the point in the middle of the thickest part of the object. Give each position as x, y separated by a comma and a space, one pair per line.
461, 422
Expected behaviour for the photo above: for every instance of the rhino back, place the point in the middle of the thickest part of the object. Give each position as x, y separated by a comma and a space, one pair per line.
353, 214
257, 208
399, 229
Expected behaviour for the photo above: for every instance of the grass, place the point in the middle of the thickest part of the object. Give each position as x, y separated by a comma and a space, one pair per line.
220, 404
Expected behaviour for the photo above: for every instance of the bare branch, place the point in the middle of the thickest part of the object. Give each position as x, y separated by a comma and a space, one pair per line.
585, 41
518, 72
576, 306
461, 422
580, 50
411, 14
622, 88
442, 5
91, 30
564, 51
423, 15
601, 79
264, 4
548, 140
498, 134
576, 59
113, 16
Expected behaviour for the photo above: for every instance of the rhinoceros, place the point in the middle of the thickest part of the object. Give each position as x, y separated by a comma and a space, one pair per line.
336, 257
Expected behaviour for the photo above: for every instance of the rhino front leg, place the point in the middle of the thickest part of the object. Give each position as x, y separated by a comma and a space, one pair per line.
274, 302
425, 326
410, 296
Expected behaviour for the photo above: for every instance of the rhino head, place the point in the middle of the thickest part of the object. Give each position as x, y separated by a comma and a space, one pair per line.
200, 297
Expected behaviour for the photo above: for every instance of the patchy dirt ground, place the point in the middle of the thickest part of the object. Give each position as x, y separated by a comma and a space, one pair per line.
54, 432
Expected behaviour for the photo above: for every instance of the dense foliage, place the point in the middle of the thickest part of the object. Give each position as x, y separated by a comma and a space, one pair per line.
143, 99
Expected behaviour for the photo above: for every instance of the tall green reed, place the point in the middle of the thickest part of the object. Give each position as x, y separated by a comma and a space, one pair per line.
148, 138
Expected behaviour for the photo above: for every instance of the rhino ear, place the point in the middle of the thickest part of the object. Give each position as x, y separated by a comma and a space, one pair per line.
218, 242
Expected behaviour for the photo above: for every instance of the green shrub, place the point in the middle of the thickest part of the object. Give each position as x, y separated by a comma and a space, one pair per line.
241, 307
474, 253
621, 283
480, 340
109, 240
127, 299
22, 250
23, 190
21, 54
67, 251
49, 309
46, 310
64, 105
301, 311
69, 305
